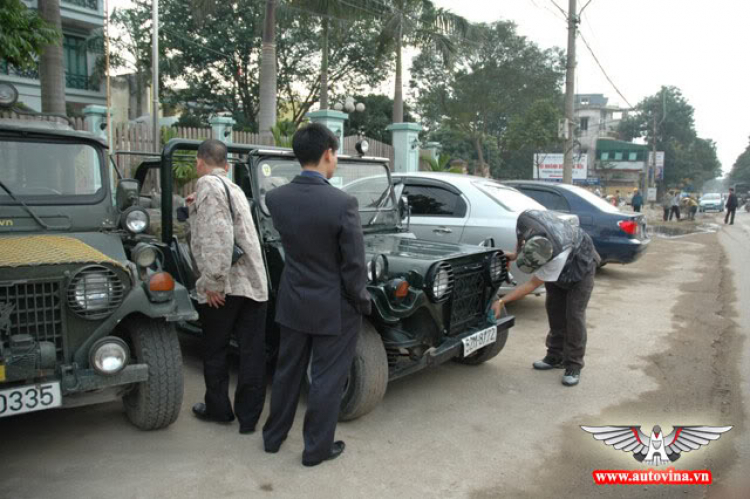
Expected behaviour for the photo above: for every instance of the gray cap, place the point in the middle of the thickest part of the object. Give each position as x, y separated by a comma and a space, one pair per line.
535, 252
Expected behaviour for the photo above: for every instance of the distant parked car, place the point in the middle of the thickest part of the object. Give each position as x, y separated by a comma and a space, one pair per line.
619, 237
457, 208
712, 201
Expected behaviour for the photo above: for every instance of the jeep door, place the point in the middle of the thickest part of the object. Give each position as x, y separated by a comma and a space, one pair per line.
439, 211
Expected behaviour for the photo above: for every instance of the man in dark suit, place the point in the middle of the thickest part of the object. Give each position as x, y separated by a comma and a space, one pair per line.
322, 296
731, 207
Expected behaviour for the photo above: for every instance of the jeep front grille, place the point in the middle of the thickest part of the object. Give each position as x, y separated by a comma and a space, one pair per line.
36, 310
467, 301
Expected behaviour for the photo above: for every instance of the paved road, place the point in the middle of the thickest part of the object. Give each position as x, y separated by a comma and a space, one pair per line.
666, 346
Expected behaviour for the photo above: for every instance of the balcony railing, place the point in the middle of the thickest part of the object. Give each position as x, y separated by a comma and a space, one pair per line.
80, 82
86, 4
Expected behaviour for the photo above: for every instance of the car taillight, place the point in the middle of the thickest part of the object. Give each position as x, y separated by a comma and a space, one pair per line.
628, 226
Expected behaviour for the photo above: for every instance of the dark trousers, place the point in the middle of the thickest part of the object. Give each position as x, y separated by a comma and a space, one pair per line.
566, 311
332, 358
675, 210
693, 211
637, 208
666, 213
246, 320
730, 211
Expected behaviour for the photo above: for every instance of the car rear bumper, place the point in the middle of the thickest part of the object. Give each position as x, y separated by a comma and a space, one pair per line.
622, 250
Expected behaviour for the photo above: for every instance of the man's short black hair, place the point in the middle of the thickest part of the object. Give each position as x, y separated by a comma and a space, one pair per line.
311, 142
213, 152
731, 189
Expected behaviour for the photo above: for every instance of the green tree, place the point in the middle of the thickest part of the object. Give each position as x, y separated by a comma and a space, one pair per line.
741, 168
372, 123
131, 49
688, 159
418, 23
24, 34
532, 133
496, 79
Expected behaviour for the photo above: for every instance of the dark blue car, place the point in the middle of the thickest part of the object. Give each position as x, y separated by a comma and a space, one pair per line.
619, 237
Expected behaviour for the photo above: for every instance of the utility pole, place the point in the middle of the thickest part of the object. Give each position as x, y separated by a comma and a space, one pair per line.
570, 93
155, 73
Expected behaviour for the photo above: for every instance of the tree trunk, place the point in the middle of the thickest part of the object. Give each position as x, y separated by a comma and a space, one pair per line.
398, 97
268, 72
138, 95
483, 170
51, 69
324, 68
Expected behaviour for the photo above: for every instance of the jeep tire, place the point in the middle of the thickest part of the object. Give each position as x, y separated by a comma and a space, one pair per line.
368, 376
156, 402
484, 354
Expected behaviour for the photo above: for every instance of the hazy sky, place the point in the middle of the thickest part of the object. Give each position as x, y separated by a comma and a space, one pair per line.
700, 47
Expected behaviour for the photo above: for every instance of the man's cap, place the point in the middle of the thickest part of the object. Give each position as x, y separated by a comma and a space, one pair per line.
536, 252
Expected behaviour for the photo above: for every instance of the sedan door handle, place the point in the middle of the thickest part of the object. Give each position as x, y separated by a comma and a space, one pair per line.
442, 230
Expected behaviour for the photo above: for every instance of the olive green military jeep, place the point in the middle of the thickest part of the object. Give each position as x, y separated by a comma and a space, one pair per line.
430, 300
87, 312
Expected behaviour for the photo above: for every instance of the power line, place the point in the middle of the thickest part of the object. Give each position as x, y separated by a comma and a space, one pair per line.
583, 38
565, 14
555, 14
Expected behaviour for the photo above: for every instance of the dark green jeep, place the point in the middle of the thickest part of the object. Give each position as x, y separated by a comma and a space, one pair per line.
87, 312
430, 300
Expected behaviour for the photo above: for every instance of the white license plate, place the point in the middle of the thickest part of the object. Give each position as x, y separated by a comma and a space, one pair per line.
479, 340
30, 398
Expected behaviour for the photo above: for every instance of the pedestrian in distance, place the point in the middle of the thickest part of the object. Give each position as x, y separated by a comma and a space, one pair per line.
232, 296
321, 299
692, 205
674, 207
637, 201
666, 204
563, 258
731, 207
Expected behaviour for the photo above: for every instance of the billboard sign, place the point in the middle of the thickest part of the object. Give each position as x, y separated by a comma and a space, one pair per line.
550, 166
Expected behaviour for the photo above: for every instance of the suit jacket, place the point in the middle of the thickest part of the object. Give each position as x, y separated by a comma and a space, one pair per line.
732, 202
323, 287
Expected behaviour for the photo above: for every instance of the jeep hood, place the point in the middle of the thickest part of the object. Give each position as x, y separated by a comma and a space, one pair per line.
53, 249
403, 246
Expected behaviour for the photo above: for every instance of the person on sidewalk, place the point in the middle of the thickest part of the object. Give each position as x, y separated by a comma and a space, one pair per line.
322, 296
232, 296
666, 204
731, 207
563, 258
637, 201
674, 207
692, 206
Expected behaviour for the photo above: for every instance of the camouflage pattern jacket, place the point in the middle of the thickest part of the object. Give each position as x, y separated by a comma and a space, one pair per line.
212, 236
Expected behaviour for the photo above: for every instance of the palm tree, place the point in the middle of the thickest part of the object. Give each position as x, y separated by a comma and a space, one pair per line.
329, 10
268, 71
51, 69
418, 23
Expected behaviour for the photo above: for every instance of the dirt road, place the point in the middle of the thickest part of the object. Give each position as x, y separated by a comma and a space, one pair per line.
666, 340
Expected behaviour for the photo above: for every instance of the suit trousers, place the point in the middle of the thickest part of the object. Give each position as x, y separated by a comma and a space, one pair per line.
730, 215
332, 358
246, 320
566, 311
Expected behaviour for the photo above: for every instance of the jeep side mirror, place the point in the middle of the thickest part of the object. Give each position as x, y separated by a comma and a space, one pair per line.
127, 193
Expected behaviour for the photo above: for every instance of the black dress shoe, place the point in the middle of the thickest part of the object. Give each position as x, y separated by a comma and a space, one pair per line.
336, 450
247, 430
200, 412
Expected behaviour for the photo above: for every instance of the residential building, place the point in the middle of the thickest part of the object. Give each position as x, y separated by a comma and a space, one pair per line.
620, 165
82, 24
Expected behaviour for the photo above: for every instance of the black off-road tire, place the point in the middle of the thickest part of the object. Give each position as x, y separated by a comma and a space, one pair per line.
155, 403
368, 376
484, 354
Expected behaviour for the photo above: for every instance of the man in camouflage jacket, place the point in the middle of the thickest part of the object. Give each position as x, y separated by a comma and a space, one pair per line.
232, 297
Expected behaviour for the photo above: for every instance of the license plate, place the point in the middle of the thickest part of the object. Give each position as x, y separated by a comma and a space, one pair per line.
30, 398
479, 340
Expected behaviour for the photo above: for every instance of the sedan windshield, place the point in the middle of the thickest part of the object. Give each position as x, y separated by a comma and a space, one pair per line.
49, 173
368, 182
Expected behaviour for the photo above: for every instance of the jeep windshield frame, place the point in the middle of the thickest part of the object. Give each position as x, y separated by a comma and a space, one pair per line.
51, 170
368, 180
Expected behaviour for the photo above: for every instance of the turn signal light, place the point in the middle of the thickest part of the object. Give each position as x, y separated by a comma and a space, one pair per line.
161, 281
402, 290
628, 226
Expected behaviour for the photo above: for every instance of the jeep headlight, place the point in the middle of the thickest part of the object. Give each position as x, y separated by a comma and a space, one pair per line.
109, 355
497, 268
94, 292
377, 268
441, 283
144, 255
135, 220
